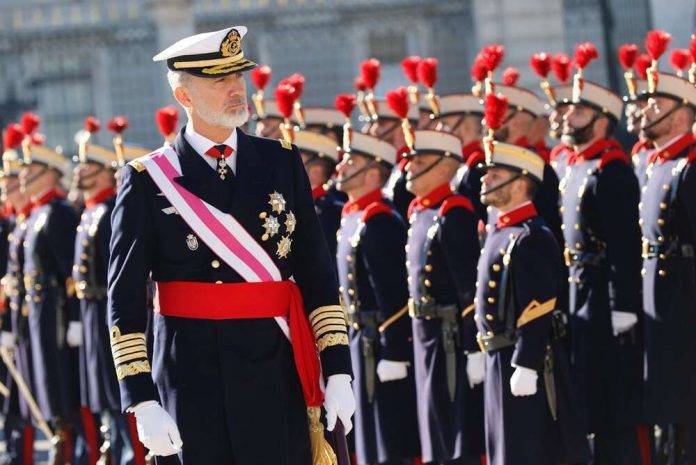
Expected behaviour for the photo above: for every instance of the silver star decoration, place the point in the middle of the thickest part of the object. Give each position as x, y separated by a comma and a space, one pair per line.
277, 202
284, 247
290, 222
271, 226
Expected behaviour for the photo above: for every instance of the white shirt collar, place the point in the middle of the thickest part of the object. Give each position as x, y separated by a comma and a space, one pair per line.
202, 144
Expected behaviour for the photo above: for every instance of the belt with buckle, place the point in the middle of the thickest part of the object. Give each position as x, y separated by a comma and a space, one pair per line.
494, 342
362, 319
429, 309
583, 258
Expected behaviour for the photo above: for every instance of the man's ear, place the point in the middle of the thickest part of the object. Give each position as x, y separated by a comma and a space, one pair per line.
181, 94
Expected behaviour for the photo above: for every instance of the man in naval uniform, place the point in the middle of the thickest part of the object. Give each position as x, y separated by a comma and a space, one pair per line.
520, 276
668, 226
372, 277
599, 205
54, 319
225, 224
441, 254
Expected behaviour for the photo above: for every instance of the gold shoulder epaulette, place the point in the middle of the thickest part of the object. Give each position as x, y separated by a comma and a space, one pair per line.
286, 145
137, 164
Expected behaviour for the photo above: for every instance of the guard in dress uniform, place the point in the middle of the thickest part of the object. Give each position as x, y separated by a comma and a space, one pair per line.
19, 432
372, 278
441, 254
668, 226
321, 120
54, 320
531, 411
602, 245
225, 224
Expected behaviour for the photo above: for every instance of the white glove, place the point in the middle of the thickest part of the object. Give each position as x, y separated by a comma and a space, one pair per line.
74, 334
339, 402
390, 370
7, 340
523, 382
156, 429
622, 321
475, 368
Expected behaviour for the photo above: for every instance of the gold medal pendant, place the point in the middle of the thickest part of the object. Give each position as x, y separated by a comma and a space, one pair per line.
222, 167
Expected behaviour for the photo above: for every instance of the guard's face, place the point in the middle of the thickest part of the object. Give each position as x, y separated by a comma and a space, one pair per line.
418, 180
578, 127
220, 101
656, 121
85, 175
346, 179
490, 193
33, 178
268, 127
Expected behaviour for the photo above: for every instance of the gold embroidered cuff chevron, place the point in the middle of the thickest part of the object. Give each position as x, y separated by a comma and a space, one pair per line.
129, 352
333, 339
133, 368
536, 310
326, 319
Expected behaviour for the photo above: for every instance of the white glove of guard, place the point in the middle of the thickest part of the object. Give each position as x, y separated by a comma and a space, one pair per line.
390, 370
523, 382
623, 321
475, 368
7, 340
74, 334
339, 402
156, 429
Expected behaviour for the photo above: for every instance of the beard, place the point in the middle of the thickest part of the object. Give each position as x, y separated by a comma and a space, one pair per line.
224, 119
497, 197
577, 136
653, 132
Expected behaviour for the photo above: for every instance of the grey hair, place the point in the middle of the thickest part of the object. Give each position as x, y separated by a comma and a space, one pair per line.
177, 79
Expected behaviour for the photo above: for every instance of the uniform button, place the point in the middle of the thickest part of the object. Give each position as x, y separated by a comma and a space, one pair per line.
576, 226
489, 333
661, 221
408, 263
409, 232
662, 272
350, 276
351, 291
561, 209
502, 251
475, 300
83, 256
406, 247
665, 187
476, 317
427, 283
218, 282
663, 206
640, 222
496, 267
341, 289
492, 284
83, 269
640, 205
428, 267
80, 229
489, 317
409, 279
563, 227
660, 239
643, 272
491, 300
75, 267
215, 264
476, 283
570, 280
662, 256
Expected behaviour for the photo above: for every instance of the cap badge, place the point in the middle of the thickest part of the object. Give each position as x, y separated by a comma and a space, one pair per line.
232, 44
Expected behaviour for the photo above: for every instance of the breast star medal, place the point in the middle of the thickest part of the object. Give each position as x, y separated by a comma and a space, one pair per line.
290, 222
284, 246
277, 202
271, 226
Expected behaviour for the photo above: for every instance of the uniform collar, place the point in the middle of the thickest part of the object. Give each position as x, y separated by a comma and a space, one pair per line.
434, 198
202, 144
672, 148
24, 212
517, 215
362, 203
318, 192
47, 197
100, 197
594, 150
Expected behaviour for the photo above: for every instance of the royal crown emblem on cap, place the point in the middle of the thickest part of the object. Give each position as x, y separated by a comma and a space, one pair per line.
232, 44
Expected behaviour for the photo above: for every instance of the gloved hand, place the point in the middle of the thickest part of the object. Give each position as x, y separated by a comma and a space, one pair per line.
339, 402
523, 382
156, 429
7, 340
74, 335
390, 370
622, 321
475, 368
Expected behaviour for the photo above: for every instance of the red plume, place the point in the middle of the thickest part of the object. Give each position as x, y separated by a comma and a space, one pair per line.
584, 54
92, 124
37, 138
479, 69
359, 84
167, 119
118, 124
260, 76
541, 64
285, 95
692, 47
297, 80
510, 76
680, 59
345, 103
561, 67
14, 134
641, 65
627, 55
495, 107
398, 102
30, 122
493, 55
427, 72
656, 42
370, 71
410, 67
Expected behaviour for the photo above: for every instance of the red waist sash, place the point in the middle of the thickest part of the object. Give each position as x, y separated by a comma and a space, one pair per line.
229, 301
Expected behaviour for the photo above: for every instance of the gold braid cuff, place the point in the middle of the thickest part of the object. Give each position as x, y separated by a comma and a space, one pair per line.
133, 368
333, 339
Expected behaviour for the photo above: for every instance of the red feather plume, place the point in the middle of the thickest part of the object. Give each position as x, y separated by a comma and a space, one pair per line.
479, 70
118, 124
493, 55
410, 67
627, 55
692, 47
30, 122
285, 95
495, 107
345, 103
656, 42
359, 84
641, 65
14, 134
584, 54
680, 59
541, 64
398, 101
37, 138
297, 80
427, 72
260, 76
92, 124
370, 72
510, 76
167, 119
561, 67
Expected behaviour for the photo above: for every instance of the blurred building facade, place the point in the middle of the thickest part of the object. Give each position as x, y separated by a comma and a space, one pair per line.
66, 59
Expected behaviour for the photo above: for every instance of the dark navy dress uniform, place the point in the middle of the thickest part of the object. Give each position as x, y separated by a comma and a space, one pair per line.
602, 247
668, 225
519, 277
442, 252
467, 181
372, 278
328, 205
229, 384
48, 255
